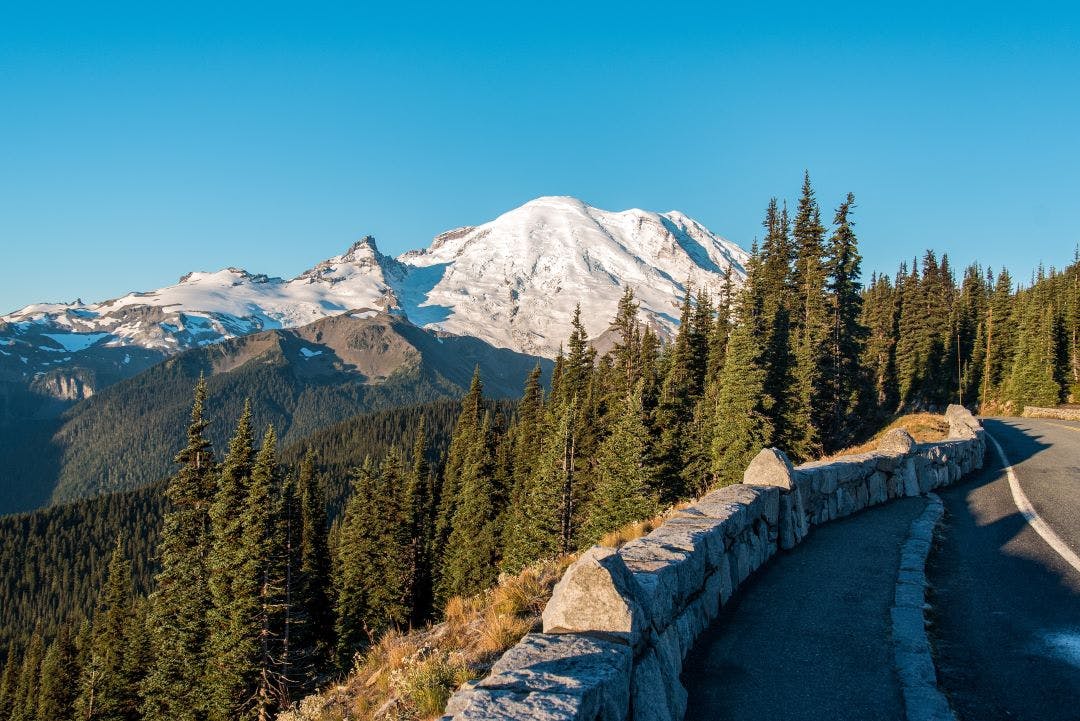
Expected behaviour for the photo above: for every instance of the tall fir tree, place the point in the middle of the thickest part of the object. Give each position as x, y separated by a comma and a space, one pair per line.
9, 682
626, 486
313, 635
354, 563
685, 360
627, 349
419, 511
743, 426
262, 619
535, 520
390, 594
233, 589
810, 326
60, 674
107, 693
1000, 341
174, 688
1032, 380
464, 437
25, 698
774, 298
138, 652
471, 558
846, 334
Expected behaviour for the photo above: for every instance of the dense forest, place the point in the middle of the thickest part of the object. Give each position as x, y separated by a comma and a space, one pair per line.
259, 597
53, 561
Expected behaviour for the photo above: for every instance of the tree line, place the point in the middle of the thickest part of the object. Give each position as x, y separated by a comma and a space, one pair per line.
260, 597
983, 341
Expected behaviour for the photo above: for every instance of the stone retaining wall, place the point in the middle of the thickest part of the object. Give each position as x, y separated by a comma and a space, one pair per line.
619, 623
1061, 414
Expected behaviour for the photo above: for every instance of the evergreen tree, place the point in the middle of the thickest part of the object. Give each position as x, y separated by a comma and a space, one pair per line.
742, 426
357, 547
262, 618
9, 681
232, 647
528, 439
138, 654
627, 349
107, 693
678, 394
910, 358
532, 526
391, 589
626, 484
419, 512
25, 699
846, 334
1000, 340
810, 327
721, 328
880, 317
774, 297
463, 440
174, 687
59, 679
1032, 380
535, 525
312, 638
471, 559
970, 309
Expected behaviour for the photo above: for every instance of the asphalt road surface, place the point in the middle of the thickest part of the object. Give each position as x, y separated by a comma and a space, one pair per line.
807, 638
1006, 605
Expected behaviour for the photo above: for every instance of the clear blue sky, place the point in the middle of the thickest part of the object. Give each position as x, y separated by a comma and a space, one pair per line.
143, 140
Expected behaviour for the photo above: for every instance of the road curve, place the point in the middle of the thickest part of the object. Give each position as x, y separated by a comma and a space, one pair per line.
1006, 604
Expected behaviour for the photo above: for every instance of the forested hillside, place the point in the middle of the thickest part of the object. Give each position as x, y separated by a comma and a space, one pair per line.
53, 561
300, 380
264, 598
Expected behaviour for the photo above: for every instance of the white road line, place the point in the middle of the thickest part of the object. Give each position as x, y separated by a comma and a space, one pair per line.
1028, 512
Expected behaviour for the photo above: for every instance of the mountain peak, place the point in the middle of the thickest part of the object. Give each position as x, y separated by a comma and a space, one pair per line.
513, 281
363, 248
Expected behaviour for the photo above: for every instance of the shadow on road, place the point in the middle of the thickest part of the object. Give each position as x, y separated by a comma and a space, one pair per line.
1019, 449
1005, 610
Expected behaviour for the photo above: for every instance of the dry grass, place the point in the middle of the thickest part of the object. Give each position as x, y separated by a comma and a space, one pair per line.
617, 538
410, 676
923, 427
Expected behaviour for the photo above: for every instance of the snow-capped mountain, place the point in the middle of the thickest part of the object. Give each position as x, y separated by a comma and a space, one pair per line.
512, 282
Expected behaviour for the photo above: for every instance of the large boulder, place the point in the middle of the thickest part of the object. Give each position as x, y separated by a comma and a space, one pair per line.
770, 467
961, 423
896, 442
597, 594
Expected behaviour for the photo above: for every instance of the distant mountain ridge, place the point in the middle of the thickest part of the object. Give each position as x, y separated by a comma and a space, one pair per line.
512, 282
300, 380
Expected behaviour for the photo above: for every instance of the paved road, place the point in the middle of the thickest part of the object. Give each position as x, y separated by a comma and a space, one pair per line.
1007, 607
807, 637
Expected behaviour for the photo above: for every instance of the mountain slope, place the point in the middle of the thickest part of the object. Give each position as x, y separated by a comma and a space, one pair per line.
512, 282
515, 281
299, 379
